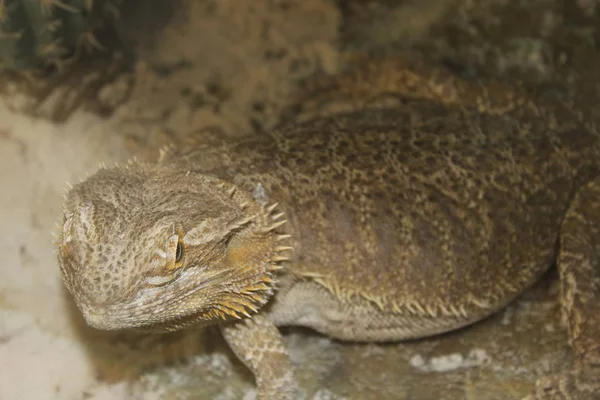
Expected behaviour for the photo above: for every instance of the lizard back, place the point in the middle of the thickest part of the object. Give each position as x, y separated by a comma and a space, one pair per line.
423, 209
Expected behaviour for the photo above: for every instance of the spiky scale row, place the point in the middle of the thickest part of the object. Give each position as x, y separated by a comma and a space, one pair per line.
37, 33
406, 308
247, 299
277, 257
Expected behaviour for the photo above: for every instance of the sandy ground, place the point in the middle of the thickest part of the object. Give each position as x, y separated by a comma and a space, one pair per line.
234, 66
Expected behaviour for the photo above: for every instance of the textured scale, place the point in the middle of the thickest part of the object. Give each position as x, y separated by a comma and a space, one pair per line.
384, 204
402, 203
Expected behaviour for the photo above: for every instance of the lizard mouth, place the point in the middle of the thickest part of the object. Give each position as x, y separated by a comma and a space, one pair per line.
227, 295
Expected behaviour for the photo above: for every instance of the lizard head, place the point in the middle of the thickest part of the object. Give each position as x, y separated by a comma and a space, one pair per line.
155, 248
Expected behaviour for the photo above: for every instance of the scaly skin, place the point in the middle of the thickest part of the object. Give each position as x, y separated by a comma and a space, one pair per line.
416, 203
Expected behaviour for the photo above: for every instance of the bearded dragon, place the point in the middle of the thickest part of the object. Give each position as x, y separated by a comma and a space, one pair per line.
402, 203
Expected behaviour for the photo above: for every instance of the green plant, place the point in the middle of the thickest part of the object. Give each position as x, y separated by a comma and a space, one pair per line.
36, 33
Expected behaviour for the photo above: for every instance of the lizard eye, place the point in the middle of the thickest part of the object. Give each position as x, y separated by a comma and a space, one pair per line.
173, 268
179, 252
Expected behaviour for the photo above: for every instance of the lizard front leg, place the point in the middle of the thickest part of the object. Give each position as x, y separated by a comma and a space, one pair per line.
259, 344
579, 268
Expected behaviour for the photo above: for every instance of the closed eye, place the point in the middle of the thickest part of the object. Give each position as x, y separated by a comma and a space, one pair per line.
174, 262
179, 252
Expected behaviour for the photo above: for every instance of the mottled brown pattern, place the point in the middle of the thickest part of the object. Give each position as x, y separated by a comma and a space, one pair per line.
415, 203
385, 204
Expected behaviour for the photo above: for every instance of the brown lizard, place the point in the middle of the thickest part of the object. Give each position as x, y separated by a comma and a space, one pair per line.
404, 203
